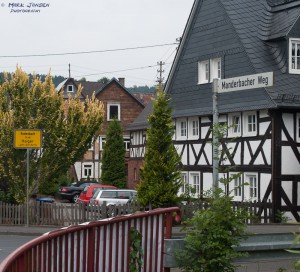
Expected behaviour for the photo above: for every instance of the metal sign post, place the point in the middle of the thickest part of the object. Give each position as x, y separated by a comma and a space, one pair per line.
27, 139
214, 136
261, 80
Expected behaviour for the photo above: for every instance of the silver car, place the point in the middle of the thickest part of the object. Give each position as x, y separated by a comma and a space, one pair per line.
112, 196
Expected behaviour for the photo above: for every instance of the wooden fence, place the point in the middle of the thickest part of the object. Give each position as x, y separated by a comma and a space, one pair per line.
65, 214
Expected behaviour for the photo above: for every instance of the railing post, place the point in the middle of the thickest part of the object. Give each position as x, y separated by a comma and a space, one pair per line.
91, 250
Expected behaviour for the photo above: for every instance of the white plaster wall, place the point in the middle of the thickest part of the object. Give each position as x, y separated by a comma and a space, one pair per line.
288, 122
207, 181
204, 132
96, 169
263, 127
263, 114
192, 156
267, 151
287, 187
184, 155
77, 167
289, 162
247, 157
265, 179
208, 152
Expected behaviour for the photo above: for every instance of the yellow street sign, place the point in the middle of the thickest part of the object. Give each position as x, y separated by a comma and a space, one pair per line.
27, 138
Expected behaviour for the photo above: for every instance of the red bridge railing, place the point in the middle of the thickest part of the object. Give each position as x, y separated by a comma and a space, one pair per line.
102, 246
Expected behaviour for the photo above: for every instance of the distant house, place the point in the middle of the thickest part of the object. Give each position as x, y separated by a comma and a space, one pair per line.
117, 102
226, 39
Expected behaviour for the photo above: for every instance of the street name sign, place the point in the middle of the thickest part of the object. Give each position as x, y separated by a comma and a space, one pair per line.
27, 138
245, 82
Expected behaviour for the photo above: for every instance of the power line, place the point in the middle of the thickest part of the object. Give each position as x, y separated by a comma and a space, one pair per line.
88, 52
124, 70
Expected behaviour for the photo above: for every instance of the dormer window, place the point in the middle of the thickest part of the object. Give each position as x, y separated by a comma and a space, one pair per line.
70, 88
208, 70
294, 56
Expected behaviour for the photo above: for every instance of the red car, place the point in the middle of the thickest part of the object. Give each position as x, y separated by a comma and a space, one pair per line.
89, 190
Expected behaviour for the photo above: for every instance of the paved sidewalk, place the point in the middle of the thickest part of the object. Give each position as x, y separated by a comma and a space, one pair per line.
176, 231
22, 230
259, 229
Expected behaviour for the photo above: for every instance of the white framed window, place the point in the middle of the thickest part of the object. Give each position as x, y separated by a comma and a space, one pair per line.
237, 189
195, 181
127, 144
209, 69
203, 72
193, 128
70, 88
102, 141
181, 129
250, 123
234, 123
251, 179
184, 182
215, 69
87, 171
294, 56
113, 111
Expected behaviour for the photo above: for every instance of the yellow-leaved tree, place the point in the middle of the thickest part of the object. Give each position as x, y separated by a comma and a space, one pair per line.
68, 130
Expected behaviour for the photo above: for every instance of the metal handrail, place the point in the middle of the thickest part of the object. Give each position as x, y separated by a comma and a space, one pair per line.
79, 248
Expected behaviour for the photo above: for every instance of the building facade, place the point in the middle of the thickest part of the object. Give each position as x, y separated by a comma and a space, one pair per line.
227, 39
118, 103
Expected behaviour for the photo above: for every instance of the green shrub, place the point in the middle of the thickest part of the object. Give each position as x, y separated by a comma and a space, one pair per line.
212, 235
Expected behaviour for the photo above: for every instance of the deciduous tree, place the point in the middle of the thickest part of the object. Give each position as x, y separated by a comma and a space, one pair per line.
68, 129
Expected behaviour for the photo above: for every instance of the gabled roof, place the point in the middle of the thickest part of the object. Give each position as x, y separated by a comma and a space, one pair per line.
114, 80
60, 85
141, 122
65, 82
88, 87
257, 32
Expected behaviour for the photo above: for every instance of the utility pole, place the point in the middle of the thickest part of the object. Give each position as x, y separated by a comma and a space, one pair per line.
161, 71
69, 70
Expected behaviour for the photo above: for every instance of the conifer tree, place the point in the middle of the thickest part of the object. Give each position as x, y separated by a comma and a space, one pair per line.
160, 175
113, 159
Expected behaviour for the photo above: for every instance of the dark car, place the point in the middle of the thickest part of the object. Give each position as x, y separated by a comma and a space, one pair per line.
71, 193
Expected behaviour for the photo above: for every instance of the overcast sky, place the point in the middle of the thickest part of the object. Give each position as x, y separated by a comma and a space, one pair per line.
72, 26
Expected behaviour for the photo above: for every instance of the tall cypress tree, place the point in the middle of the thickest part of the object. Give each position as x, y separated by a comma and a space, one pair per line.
160, 176
113, 159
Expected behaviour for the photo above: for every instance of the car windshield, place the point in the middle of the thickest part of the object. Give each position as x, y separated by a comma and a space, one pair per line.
85, 189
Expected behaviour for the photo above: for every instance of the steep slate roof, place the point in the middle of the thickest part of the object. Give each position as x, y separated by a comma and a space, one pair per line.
251, 36
141, 122
89, 87
60, 85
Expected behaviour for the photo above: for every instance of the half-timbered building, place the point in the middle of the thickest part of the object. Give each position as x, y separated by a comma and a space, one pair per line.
226, 39
118, 103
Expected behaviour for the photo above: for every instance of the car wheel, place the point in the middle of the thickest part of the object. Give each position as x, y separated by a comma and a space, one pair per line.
75, 198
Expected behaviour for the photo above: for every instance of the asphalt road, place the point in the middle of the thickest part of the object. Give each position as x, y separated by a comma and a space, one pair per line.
8, 243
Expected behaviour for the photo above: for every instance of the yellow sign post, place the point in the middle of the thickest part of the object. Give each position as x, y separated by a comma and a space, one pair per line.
27, 138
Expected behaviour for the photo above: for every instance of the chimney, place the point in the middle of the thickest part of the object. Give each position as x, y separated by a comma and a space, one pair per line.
122, 81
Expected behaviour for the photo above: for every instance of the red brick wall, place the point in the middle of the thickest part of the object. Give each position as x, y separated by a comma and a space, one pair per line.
134, 164
130, 107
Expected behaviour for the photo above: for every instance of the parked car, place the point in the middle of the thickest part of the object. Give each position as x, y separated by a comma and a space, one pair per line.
89, 191
112, 196
72, 192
